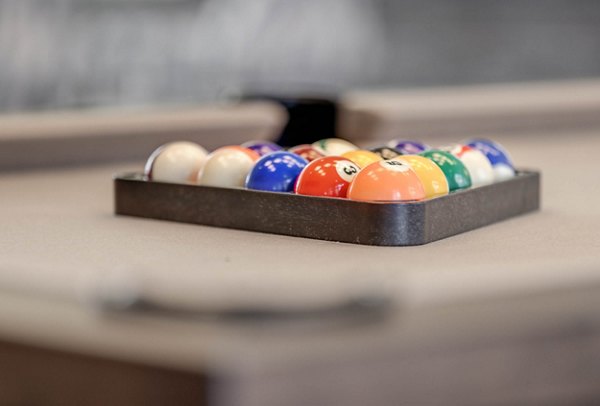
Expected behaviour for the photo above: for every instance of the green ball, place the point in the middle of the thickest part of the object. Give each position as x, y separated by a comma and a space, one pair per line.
455, 171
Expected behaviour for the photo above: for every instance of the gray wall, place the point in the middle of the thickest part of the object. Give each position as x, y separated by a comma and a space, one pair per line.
80, 53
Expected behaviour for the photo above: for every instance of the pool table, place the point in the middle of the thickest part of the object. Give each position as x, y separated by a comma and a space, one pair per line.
502, 315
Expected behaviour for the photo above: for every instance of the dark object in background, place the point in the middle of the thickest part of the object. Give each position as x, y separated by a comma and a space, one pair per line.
310, 118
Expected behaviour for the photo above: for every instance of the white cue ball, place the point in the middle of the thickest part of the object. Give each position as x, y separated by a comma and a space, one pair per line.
176, 162
227, 167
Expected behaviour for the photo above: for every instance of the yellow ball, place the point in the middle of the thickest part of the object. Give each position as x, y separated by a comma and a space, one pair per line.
361, 157
431, 176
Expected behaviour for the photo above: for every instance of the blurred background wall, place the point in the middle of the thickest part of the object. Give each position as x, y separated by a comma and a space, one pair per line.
57, 54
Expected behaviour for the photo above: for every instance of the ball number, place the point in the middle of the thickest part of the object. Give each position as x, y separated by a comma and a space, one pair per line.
394, 165
346, 169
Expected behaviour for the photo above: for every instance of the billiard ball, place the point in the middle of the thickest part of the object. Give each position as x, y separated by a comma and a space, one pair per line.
276, 172
386, 181
177, 162
497, 155
306, 151
386, 152
479, 166
408, 147
361, 157
227, 167
262, 147
456, 172
328, 176
431, 176
334, 146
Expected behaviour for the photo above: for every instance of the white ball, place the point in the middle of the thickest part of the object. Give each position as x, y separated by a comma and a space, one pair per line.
177, 162
503, 172
227, 167
479, 167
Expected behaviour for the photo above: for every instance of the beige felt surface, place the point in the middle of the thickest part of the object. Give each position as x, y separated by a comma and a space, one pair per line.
59, 236
58, 232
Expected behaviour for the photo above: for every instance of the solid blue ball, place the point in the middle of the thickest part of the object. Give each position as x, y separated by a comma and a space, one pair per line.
276, 172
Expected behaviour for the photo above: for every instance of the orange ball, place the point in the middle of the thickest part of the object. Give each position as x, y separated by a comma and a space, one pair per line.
386, 181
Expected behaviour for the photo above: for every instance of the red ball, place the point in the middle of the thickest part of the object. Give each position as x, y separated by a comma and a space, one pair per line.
307, 152
327, 176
